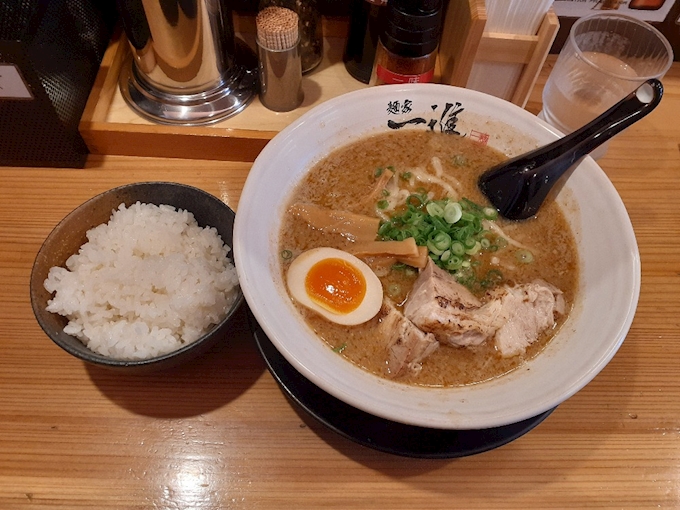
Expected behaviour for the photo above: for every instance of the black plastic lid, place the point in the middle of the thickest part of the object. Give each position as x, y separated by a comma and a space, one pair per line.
412, 29
418, 7
409, 50
411, 36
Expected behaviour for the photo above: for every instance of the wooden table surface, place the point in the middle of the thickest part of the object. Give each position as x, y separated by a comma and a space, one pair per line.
220, 434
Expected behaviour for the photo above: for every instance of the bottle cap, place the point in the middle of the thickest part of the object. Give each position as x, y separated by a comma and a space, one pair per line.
412, 29
409, 50
419, 8
411, 36
410, 21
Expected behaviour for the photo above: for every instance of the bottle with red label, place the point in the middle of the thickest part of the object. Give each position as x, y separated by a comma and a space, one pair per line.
407, 50
646, 5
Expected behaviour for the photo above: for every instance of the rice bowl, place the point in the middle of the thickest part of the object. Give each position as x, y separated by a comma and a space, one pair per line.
146, 283
175, 293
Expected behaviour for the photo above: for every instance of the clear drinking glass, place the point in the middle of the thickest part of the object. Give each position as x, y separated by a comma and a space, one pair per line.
605, 57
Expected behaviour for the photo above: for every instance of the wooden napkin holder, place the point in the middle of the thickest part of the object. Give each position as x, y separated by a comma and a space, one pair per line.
464, 42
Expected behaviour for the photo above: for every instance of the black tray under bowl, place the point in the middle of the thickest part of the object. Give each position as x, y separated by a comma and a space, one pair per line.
379, 433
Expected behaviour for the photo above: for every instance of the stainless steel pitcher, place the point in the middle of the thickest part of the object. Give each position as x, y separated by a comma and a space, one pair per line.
186, 65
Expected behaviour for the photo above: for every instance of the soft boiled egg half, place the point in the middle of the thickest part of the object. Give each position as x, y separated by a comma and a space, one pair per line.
336, 285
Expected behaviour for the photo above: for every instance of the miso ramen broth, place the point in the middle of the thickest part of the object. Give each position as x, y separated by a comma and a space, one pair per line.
441, 165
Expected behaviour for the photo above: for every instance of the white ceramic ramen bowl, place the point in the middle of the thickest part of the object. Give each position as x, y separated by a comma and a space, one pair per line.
609, 259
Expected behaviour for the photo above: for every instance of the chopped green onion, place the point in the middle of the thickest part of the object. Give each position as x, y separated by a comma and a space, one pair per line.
453, 263
453, 212
434, 209
442, 241
493, 277
385, 193
494, 274
408, 270
378, 172
434, 250
469, 243
340, 348
459, 160
490, 213
416, 200
286, 254
467, 217
393, 290
451, 230
524, 256
382, 204
406, 175
457, 248
474, 249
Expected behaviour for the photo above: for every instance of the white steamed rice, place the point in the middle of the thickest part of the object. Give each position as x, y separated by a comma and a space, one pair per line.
146, 283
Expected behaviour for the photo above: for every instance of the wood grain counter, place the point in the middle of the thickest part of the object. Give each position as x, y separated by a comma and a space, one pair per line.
220, 434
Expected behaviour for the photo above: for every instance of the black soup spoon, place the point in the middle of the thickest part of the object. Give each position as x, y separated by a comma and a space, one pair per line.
518, 187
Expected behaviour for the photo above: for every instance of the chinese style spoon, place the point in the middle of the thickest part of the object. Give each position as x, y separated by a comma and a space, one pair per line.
517, 188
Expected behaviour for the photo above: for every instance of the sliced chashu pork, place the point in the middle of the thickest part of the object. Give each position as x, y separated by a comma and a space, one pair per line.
407, 346
525, 312
514, 316
438, 304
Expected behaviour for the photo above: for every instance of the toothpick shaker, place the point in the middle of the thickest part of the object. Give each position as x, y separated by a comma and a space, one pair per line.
280, 63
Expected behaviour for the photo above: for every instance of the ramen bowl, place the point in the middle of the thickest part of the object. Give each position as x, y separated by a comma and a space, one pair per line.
609, 280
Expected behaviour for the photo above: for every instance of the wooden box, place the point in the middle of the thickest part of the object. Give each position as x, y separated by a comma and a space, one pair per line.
109, 126
464, 42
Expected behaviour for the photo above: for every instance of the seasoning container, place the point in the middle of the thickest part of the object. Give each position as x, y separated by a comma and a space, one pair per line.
365, 26
310, 29
280, 63
407, 50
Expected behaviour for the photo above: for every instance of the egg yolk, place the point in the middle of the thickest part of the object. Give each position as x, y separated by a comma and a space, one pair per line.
336, 285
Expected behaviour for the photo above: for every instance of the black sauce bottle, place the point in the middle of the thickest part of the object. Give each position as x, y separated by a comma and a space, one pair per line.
407, 50
365, 27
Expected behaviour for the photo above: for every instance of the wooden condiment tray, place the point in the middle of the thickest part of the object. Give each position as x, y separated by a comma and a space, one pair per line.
110, 126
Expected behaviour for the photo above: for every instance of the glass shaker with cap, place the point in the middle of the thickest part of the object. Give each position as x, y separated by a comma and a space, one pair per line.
407, 50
